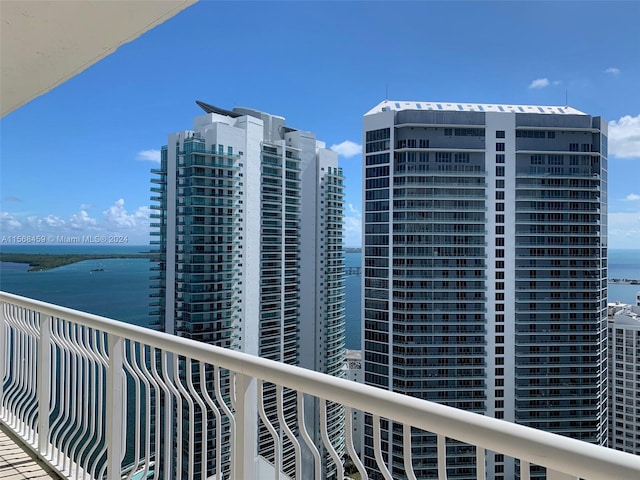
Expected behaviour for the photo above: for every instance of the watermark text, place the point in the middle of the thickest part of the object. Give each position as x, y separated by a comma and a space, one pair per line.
64, 239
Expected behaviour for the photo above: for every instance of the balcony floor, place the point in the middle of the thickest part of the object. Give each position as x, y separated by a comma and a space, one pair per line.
18, 462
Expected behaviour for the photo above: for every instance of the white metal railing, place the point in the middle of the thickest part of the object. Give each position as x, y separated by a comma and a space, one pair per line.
117, 402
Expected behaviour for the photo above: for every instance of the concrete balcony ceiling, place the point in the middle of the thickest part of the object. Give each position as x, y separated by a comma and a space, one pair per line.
45, 43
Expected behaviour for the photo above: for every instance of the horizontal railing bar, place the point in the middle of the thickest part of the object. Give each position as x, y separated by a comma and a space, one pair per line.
556, 452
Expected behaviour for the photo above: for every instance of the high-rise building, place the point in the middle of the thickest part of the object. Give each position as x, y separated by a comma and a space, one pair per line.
485, 269
624, 377
249, 220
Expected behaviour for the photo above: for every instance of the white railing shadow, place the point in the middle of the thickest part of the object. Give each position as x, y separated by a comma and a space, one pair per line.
123, 401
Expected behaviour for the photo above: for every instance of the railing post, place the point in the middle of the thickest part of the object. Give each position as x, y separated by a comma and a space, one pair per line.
245, 450
115, 408
43, 383
3, 349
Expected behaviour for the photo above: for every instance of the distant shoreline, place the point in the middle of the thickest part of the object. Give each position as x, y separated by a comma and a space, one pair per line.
46, 261
626, 281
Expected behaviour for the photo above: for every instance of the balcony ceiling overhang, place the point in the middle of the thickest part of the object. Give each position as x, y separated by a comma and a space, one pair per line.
45, 43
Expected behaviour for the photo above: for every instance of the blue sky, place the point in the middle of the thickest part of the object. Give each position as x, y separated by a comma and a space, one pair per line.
77, 160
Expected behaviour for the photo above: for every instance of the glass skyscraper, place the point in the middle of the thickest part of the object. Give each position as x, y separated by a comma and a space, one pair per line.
485, 270
248, 219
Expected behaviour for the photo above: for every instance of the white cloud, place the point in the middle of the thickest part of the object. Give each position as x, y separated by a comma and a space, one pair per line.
82, 221
347, 149
9, 223
117, 217
115, 221
624, 230
53, 221
612, 71
632, 197
539, 83
352, 227
149, 155
33, 222
624, 137
47, 224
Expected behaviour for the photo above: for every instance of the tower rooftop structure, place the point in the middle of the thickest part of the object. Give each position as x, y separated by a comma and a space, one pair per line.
398, 105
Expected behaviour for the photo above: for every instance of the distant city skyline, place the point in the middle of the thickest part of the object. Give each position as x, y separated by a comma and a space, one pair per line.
77, 160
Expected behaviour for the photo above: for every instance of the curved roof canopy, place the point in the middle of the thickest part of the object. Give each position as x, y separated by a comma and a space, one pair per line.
45, 43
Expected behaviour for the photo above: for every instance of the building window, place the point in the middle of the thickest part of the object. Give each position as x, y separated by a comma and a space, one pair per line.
381, 134
499, 218
500, 183
500, 133
500, 158
499, 229
499, 171
500, 147
443, 157
499, 253
537, 160
500, 241
500, 195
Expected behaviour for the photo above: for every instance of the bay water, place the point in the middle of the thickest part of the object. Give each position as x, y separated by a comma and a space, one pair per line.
121, 289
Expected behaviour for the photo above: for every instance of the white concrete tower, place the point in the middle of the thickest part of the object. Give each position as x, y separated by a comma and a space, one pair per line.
249, 227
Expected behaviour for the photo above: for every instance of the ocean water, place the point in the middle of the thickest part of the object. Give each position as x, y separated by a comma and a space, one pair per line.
122, 290
624, 264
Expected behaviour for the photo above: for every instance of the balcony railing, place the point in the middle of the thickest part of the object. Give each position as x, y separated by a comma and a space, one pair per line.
111, 394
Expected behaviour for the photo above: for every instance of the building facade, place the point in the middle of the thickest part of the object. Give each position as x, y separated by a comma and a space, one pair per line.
485, 269
624, 378
248, 219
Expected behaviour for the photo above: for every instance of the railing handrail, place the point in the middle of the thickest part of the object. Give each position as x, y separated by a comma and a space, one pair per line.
554, 451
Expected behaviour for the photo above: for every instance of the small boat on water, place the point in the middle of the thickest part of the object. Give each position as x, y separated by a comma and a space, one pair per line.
100, 268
